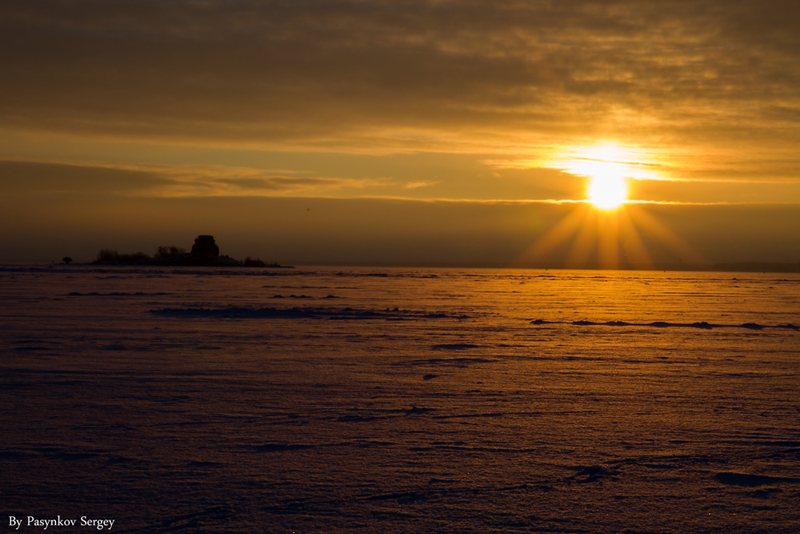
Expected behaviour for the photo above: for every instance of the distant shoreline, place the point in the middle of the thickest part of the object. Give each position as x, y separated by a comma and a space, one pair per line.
743, 267
752, 267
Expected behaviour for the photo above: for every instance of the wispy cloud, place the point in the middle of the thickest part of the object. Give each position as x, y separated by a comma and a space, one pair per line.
99, 178
194, 180
417, 185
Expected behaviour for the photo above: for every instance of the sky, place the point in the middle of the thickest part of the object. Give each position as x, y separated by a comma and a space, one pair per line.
402, 131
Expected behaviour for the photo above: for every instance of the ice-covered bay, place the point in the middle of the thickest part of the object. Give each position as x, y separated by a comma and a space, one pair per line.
400, 400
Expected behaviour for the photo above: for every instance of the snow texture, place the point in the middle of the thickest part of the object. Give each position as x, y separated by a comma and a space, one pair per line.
418, 400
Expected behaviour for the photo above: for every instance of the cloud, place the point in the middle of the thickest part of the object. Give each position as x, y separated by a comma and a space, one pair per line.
215, 180
50, 179
417, 185
389, 76
102, 179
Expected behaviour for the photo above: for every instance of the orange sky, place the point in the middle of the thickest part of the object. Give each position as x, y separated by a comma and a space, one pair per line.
485, 119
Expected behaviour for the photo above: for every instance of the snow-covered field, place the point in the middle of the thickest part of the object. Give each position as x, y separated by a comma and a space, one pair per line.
399, 400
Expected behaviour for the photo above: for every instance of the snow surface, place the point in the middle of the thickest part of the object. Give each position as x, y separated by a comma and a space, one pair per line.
400, 400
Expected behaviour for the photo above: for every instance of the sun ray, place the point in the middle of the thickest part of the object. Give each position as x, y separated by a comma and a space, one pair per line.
555, 236
634, 251
652, 226
585, 243
608, 240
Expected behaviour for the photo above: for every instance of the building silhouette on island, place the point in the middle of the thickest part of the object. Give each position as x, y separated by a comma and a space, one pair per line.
204, 245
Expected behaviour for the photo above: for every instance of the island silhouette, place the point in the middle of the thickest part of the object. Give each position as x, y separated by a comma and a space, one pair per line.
205, 252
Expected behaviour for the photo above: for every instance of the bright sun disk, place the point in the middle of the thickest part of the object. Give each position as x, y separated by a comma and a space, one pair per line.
607, 188
607, 169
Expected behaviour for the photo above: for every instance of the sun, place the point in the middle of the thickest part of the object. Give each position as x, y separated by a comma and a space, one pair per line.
607, 188
607, 191
607, 168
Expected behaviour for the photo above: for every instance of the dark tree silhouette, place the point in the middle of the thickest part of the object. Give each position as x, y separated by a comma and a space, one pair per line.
66, 259
112, 256
169, 252
253, 262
